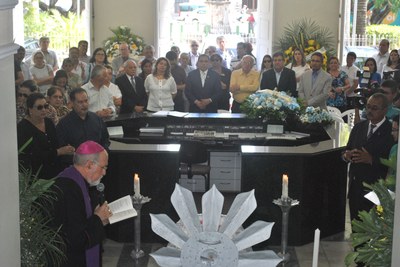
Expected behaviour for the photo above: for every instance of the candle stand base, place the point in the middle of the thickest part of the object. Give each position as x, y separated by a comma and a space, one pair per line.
285, 204
137, 202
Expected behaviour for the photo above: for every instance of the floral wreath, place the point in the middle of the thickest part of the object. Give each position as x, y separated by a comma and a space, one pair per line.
309, 37
123, 34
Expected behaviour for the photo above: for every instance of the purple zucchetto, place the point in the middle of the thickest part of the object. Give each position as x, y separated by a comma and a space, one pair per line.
89, 147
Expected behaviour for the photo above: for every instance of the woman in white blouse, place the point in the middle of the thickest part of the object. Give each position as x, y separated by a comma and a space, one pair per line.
42, 73
298, 65
160, 86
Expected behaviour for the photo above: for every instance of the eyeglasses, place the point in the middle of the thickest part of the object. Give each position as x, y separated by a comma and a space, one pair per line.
103, 167
22, 95
40, 107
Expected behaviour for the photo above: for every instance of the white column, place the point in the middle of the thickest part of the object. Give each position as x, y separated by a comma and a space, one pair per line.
264, 29
165, 9
9, 195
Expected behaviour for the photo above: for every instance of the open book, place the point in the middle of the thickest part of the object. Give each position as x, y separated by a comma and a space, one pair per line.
121, 209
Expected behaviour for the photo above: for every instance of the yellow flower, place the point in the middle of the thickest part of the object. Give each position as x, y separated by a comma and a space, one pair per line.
115, 46
134, 47
379, 209
311, 42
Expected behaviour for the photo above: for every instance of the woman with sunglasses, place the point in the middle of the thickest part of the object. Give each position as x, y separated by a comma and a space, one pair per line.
266, 64
298, 64
38, 133
23, 91
225, 76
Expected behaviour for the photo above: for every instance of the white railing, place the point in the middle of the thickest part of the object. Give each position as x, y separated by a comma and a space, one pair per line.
369, 40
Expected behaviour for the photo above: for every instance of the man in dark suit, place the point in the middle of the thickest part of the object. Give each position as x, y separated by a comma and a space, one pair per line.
279, 77
369, 141
134, 97
203, 88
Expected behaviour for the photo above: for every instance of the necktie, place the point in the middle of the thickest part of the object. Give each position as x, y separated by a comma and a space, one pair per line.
314, 76
133, 83
371, 131
203, 77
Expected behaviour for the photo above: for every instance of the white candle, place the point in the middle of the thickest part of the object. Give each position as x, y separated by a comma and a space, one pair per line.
136, 185
316, 248
285, 186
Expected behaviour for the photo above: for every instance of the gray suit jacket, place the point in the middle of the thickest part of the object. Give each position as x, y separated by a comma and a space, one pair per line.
318, 94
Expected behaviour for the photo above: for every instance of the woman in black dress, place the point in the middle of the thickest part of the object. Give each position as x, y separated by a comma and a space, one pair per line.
39, 133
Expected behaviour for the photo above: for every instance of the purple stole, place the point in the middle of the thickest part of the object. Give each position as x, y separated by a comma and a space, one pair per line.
92, 254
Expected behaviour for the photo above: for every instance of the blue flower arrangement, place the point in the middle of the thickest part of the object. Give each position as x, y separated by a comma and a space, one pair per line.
270, 105
316, 115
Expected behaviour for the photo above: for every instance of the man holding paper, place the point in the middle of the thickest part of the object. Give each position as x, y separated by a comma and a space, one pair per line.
81, 224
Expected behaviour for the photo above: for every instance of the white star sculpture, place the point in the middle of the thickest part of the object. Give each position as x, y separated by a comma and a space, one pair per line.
212, 239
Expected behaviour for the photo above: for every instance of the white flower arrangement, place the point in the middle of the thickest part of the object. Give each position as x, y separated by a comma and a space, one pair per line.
316, 115
271, 105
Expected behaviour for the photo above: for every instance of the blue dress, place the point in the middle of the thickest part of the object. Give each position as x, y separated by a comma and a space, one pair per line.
340, 98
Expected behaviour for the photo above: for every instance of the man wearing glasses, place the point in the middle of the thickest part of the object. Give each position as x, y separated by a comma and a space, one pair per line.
82, 225
316, 84
369, 141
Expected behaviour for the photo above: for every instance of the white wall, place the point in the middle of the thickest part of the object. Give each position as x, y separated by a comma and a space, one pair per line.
9, 196
139, 15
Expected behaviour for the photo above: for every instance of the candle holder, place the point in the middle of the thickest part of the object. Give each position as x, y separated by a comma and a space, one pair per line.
138, 201
285, 204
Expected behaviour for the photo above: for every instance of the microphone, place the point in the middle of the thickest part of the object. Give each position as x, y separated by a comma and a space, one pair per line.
100, 188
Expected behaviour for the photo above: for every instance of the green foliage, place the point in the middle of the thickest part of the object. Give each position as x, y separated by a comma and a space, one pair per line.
373, 233
64, 32
306, 35
393, 4
385, 31
41, 244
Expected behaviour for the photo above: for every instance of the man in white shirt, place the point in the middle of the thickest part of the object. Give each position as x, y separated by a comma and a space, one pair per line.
49, 55
351, 72
194, 54
113, 88
382, 57
100, 98
224, 53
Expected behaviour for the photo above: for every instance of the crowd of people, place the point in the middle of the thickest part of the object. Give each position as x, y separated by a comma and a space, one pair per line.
60, 109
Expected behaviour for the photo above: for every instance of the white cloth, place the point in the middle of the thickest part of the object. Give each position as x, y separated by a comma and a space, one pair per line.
352, 74
203, 75
194, 59
298, 70
40, 74
99, 99
160, 93
114, 89
25, 70
81, 70
380, 61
